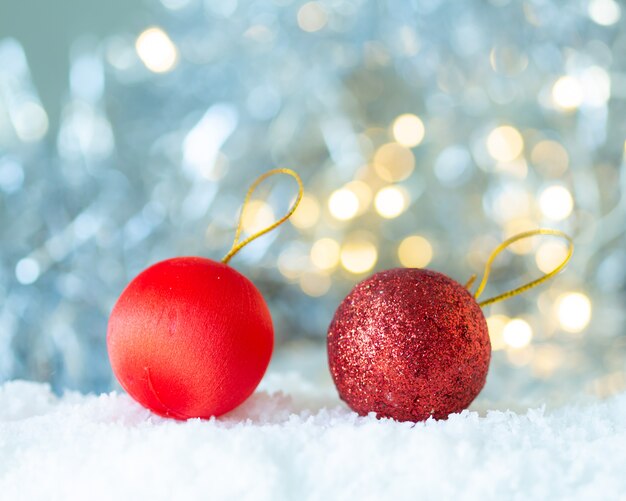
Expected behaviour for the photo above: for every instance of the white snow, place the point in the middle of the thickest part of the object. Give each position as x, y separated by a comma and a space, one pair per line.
293, 440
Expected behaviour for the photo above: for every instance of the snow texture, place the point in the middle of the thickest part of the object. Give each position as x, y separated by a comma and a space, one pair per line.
292, 440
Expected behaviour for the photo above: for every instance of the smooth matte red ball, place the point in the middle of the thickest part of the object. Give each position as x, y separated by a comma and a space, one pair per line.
190, 337
409, 344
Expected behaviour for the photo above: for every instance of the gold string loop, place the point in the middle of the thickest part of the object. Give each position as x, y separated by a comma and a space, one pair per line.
237, 245
529, 285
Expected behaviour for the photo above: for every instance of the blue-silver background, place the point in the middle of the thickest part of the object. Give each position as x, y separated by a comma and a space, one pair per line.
426, 132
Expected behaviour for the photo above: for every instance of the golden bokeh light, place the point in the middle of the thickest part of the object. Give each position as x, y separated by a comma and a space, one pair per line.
496, 325
415, 252
363, 193
315, 284
257, 216
358, 254
505, 143
574, 311
513, 202
556, 202
550, 255
156, 50
325, 253
517, 333
343, 204
546, 360
307, 214
550, 157
393, 162
391, 201
312, 17
520, 225
408, 130
567, 93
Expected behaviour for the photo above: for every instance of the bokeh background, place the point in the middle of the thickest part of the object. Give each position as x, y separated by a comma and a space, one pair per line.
426, 132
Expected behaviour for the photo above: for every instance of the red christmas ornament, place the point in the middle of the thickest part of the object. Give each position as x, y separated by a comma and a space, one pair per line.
190, 337
411, 343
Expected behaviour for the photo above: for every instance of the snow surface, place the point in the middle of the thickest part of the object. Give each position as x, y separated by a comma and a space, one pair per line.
293, 440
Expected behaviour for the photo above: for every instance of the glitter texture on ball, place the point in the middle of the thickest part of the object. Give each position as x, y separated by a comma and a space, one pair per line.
409, 344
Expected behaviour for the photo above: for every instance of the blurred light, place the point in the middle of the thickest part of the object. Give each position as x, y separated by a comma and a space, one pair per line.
343, 204
30, 121
604, 12
608, 385
508, 60
518, 168
315, 284
391, 201
511, 201
363, 193
202, 144
515, 226
546, 360
408, 130
325, 253
596, 85
517, 333
156, 50
505, 143
574, 311
393, 162
27, 271
415, 252
551, 157
257, 216
556, 202
549, 255
496, 325
312, 17
567, 93
358, 255
307, 214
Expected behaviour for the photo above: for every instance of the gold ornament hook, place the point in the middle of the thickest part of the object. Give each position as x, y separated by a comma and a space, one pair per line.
237, 245
529, 285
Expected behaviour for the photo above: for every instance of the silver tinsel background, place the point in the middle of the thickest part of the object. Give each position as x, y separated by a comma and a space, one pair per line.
426, 131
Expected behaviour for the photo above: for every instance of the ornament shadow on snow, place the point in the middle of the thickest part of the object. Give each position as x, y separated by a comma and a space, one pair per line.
192, 337
410, 343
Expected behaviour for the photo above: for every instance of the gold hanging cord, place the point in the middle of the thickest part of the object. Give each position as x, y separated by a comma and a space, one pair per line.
237, 245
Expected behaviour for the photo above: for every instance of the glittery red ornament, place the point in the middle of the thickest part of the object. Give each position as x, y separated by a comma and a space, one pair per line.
190, 337
409, 344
